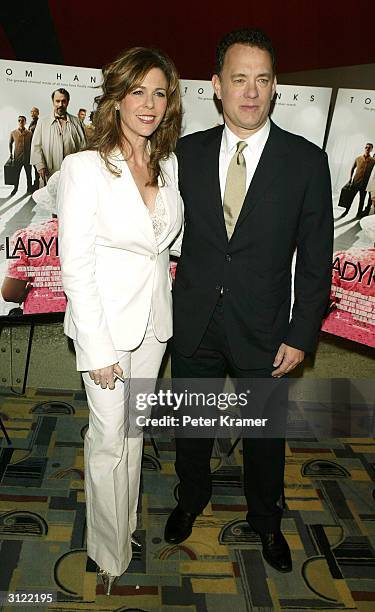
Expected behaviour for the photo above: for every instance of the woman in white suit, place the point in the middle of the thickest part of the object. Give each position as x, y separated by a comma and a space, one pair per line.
119, 211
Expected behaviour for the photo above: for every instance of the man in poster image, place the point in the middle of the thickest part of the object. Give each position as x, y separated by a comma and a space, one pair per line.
252, 193
82, 115
56, 136
19, 149
32, 125
370, 188
361, 169
34, 118
90, 127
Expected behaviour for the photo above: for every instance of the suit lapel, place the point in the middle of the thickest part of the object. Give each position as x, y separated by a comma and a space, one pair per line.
131, 199
127, 190
270, 166
210, 166
169, 193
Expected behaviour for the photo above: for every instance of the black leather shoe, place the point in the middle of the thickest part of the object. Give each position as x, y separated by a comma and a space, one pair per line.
179, 526
276, 551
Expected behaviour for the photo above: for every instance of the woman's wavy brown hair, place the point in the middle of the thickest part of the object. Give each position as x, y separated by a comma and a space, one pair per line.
121, 77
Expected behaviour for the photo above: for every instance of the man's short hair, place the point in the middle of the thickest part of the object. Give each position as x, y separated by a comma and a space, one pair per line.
369, 144
245, 36
62, 91
82, 110
22, 117
36, 108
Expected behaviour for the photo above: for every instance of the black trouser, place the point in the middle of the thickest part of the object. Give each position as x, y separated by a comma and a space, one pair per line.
19, 167
36, 178
263, 457
368, 207
362, 197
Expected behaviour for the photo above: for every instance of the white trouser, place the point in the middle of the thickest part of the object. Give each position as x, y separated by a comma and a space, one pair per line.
113, 458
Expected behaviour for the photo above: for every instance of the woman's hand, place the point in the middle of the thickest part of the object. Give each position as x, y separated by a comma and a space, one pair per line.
106, 376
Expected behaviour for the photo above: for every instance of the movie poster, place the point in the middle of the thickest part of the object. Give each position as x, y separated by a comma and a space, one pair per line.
303, 110
200, 111
30, 278
299, 109
350, 149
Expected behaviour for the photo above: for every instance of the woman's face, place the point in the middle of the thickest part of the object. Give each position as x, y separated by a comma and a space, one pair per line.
143, 109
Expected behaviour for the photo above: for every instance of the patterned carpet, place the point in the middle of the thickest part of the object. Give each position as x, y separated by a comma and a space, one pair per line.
329, 524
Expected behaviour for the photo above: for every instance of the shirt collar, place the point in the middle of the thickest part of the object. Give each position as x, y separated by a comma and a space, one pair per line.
53, 118
255, 142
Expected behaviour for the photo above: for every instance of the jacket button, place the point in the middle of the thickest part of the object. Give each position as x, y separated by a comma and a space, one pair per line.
228, 258
218, 287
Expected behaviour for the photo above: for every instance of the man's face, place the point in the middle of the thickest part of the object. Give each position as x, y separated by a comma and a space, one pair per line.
82, 115
34, 113
21, 122
245, 87
368, 149
60, 104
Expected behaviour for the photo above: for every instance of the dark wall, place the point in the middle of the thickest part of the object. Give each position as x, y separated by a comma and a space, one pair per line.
307, 35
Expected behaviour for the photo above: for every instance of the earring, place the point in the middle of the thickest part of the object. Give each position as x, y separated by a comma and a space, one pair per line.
117, 107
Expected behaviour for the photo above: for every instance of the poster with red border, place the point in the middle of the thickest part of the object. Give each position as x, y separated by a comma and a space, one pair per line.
351, 149
30, 278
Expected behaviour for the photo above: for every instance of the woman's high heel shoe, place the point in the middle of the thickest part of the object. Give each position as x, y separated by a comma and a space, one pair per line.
108, 580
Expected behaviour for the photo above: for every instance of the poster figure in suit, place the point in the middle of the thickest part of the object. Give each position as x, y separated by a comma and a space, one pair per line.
34, 119
252, 193
56, 136
81, 115
32, 125
359, 176
370, 188
19, 149
90, 128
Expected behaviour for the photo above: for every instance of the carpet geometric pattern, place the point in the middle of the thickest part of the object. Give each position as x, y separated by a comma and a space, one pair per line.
329, 523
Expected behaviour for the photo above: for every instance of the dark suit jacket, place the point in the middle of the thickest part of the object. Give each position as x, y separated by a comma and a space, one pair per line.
288, 205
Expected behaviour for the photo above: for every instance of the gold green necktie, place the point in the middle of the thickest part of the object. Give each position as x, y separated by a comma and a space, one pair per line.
235, 188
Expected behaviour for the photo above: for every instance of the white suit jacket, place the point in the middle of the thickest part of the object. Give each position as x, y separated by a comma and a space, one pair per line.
113, 271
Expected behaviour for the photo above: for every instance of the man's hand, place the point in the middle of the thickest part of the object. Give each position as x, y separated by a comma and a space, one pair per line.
287, 358
42, 173
106, 376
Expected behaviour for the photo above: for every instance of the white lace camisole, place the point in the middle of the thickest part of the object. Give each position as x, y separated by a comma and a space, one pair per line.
159, 218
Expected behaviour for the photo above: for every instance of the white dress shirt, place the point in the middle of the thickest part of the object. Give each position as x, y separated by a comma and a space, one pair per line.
252, 153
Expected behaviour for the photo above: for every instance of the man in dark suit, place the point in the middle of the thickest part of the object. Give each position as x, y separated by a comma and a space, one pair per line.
252, 193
